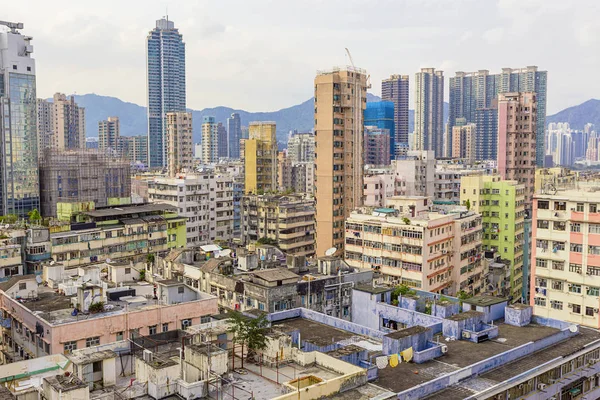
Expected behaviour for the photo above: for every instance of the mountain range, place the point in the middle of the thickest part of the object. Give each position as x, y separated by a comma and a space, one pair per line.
300, 117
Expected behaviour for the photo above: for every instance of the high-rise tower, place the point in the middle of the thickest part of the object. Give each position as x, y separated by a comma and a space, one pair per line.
340, 101
19, 178
165, 58
429, 111
396, 90
234, 134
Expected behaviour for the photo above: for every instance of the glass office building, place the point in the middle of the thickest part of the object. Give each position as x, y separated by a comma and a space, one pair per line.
381, 115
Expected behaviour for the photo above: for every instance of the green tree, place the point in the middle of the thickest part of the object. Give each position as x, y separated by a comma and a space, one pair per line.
266, 240
34, 216
406, 221
9, 218
150, 258
249, 332
468, 204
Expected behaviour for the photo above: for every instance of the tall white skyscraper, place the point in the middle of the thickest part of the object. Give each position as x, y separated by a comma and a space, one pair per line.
165, 58
429, 111
19, 179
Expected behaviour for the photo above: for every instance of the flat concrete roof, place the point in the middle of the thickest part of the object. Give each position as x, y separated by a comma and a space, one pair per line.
313, 332
485, 300
126, 210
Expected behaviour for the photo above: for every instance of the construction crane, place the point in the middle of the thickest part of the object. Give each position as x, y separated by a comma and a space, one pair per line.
354, 67
12, 25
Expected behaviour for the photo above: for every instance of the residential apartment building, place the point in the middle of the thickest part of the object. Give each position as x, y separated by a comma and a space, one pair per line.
61, 123
204, 199
411, 246
82, 176
210, 140
340, 101
260, 158
135, 149
165, 62
19, 191
473, 96
179, 143
109, 134
234, 135
409, 175
289, 220
235, 169
448, 174
380, 114
118, 233
463, 142
517, 125
429, 111
301, 147
376, 146
49, 324
502, 206
223, 145
396, 90
565, 256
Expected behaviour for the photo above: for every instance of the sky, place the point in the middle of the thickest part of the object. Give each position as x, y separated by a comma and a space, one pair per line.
261, 55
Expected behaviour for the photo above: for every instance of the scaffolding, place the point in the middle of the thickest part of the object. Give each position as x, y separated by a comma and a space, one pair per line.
82, 176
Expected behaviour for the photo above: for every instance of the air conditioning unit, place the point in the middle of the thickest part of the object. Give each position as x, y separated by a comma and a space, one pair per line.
444, 251
541, 386
147, 356
570, 305
466, 335
444, 349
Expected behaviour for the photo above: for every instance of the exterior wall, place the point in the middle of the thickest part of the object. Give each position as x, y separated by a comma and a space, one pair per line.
118, 274
396, 90
179, 142
340, 100
109, 134
260, 158
429, 105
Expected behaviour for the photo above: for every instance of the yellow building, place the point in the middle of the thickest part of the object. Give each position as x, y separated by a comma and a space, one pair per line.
550, 179
340, 101
260, 158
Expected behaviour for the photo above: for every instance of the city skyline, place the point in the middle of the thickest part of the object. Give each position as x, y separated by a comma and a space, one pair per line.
235, 48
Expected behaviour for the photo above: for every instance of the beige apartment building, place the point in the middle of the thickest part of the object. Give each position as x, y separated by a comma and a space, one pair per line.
463, 142
260, 158
340, 101
409, 245
517, 126
565, 256
290, 220
179, 142
60, 123
109, 134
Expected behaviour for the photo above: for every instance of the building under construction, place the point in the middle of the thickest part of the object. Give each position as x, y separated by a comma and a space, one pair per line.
82, 175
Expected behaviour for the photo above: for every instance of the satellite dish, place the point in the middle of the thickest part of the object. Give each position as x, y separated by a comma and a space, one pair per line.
108, 260
330, 251
38, 279
573, 328
52, 262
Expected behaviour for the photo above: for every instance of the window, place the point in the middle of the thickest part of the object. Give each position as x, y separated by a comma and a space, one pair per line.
70, 346
575, 308
591, 270
594, 228
575, 268
185, 323
594, 250
589, 311
180, 289
127, 271
593, 208
558, 265
559, 225
576, 247
542, 224
152, 330
560, 205
558, 285
575, 227
540, 301
543, 205
557, 305
165, 327
579, 207
119, 335
592, 291
92, 341
573, 288
541, 282
23, 286
541, 263
205, 319
558, 246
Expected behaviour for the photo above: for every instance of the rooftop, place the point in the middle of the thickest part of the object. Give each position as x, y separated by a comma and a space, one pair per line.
373, 289
313, 332
126, 210
276, 274
485, 300
462, 353
413, 330
62, 383
4, 286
